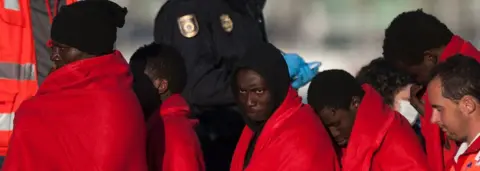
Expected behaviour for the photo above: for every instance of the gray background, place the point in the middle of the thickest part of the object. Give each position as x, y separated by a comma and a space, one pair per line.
343, 34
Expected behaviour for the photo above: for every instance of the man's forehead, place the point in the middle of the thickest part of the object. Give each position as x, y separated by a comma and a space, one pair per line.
434, 89
435, 83
327, 113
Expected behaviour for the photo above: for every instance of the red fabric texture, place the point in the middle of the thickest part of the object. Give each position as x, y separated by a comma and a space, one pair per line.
172, 142
85, 116
437, 155
382, 139
293, 139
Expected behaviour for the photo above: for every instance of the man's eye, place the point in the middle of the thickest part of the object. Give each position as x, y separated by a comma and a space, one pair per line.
242, 91
259, 91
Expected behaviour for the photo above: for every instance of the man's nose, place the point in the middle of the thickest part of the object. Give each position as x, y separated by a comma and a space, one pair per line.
54, 56
435, 117
251, 100
334, 131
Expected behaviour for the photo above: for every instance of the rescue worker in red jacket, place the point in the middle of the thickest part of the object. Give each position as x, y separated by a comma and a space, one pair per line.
455, 98
85, 116
172, 144
416, 42
370, 134
281, 133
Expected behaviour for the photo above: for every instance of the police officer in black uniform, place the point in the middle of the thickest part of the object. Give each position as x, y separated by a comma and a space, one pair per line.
212, 35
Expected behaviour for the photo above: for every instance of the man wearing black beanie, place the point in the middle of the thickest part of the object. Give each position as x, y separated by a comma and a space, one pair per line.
85, 116
85, 29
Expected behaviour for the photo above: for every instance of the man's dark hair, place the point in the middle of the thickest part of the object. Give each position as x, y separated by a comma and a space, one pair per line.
384, 78
333, 88
412, 33
459, 76
165, 62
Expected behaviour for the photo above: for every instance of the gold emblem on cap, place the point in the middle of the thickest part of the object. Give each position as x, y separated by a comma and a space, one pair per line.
188, 25
226, 22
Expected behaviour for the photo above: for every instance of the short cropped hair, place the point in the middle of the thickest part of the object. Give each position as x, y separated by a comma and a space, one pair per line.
333, 88
164, 62
459, 76
412, 33
384, 78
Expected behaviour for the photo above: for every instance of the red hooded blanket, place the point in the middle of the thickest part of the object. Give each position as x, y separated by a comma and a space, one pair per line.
437, 155
84, 117
293, 139
172, 142
382, 139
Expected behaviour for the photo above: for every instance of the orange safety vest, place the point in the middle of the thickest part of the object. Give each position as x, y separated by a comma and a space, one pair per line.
469, 160
18, 73
470, 163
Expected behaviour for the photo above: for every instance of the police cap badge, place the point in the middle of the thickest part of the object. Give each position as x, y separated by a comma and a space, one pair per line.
188, 25
226, 22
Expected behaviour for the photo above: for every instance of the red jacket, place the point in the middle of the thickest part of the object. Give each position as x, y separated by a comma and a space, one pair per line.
172, 142
382, 139
293, 139
84, 117
438, 156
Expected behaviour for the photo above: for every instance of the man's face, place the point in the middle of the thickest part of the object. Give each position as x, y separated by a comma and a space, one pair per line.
420, 72
253, 94
339, 122
63, 54
446, 113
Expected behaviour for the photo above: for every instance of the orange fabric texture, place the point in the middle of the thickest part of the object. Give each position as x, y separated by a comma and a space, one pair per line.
469, 160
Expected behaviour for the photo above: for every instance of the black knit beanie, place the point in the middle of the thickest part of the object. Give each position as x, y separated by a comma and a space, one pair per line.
90, 25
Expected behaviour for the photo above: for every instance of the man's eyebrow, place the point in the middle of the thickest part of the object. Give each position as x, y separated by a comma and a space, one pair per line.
437, 106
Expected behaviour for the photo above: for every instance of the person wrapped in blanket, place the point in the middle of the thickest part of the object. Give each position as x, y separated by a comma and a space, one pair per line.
394, 86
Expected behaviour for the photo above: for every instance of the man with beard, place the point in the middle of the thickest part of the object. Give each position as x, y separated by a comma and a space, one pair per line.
455, 98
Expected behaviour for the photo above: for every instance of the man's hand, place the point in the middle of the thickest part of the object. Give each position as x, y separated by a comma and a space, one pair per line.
416, 99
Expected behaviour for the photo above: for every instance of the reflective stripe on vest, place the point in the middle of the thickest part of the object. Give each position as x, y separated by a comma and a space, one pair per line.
17, 71
6, 121
11, 5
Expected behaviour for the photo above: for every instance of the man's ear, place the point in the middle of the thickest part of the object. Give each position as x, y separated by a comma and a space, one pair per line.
355, 103
161, 85
431, 56
467, 105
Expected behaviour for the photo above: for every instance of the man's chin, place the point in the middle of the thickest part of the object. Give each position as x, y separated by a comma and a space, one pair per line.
453, 136
342, 143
